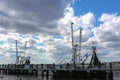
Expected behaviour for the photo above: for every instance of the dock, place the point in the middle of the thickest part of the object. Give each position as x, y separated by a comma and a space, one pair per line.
57, 71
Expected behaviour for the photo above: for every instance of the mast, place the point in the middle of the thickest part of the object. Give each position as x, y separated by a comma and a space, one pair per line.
73, 53
16, 53
80, 40
25, 48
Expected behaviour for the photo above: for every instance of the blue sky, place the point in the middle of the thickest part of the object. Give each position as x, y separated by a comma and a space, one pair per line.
45, 25
96, 6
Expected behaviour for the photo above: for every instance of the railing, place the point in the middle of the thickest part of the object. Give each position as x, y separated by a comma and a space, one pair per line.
60, 66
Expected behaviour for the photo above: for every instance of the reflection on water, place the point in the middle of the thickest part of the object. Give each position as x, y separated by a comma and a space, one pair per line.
78, 79
11, 77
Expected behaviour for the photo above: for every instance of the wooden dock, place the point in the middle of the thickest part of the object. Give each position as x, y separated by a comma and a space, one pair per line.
57, 71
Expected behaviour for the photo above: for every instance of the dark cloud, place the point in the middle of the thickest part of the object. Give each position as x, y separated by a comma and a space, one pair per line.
32, 16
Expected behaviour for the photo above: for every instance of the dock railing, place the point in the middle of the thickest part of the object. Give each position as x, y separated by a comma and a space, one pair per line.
53, 66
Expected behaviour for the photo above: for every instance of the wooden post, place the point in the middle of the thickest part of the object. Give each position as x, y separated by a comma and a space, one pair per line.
36, 72
2, 65
42, 73
82, 65
36, 65
53, 65
110, 65
41, 66
68, 65
47, 73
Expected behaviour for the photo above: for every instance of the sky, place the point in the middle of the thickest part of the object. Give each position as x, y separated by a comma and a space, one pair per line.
45, 25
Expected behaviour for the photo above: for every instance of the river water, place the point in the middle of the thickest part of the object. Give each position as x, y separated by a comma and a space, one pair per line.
116, 76
11, 77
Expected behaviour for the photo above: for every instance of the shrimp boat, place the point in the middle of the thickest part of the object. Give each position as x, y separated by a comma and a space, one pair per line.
80, 69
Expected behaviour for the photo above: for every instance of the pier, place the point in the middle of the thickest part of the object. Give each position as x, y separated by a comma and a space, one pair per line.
57, 71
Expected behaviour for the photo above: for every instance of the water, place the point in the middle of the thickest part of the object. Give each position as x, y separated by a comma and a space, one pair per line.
11, 77
116, 75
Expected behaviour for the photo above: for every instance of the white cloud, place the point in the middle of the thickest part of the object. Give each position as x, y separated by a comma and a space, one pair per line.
36, 25
107, 17
88, 20
108, 31
85, 22
107, 34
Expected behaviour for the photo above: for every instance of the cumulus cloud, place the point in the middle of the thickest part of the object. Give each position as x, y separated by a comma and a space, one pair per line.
108, 31
107, 34
88, 20
85, 22
54, 48
32, 20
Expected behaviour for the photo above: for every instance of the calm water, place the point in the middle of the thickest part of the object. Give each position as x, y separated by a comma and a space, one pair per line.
11, 77
116, 76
